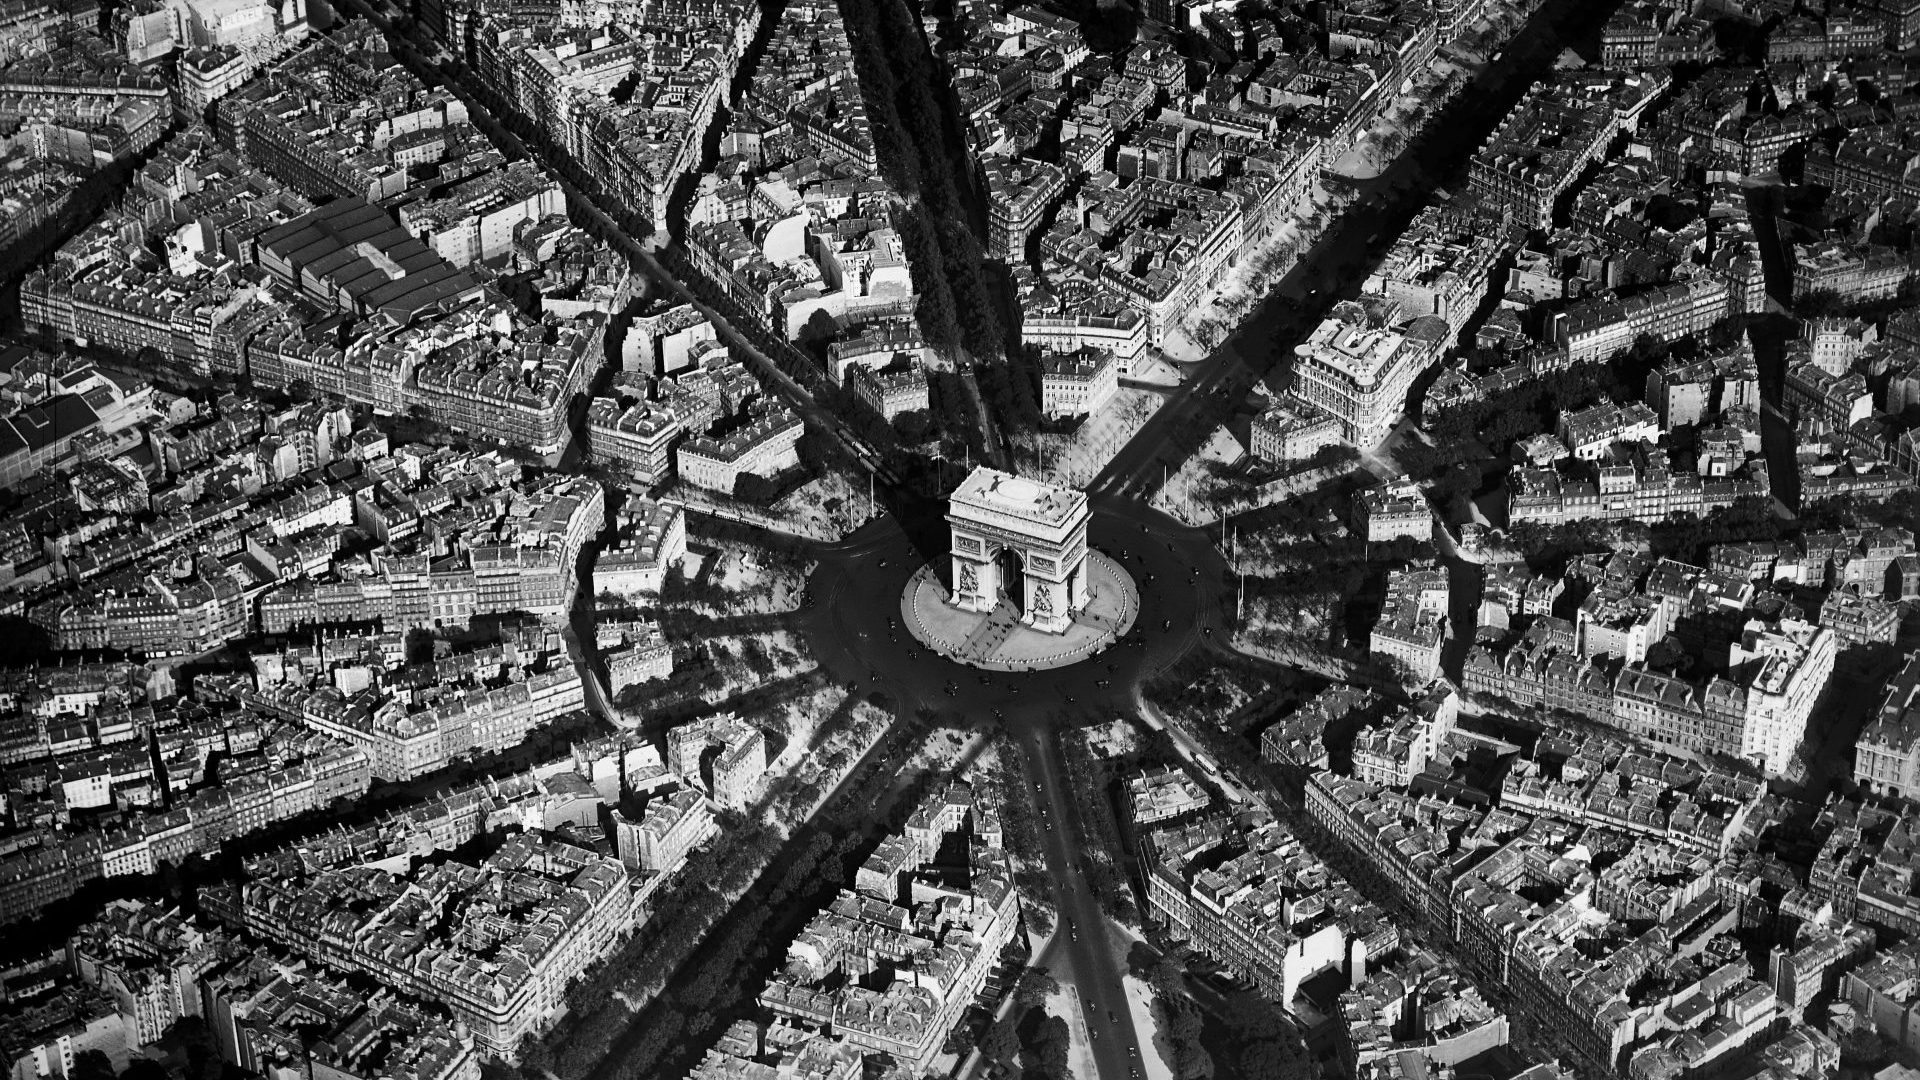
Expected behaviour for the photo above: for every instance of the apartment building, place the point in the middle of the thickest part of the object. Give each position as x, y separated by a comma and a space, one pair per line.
1599, 328
1359, 372
1886, 755
765, 445
1395, 510
1078, 383
502, 973
1021, 192
891, 392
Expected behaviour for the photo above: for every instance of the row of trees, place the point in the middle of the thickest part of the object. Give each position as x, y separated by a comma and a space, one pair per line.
756, 490
1227, 487
679, 698
1830, 303
1041, 1043
788, 551
1552, 545
1179, 1015
1687, 538
1507, 416
688, 681
682, 622
1030, 992
831, 749
1012, 391
910, 129
1683, 536
1901, 510
1092, 783
683, 915
965, 301
1294, 609
1020, 831
951, 412
668, 1037
722, 983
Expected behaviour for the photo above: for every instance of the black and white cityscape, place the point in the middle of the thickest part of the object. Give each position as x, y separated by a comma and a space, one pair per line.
959, 539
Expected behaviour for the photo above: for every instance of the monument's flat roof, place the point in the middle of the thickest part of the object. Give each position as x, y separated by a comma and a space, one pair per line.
1004, 493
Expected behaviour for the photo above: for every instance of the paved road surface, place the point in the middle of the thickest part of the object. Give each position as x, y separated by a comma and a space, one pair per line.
1082, 935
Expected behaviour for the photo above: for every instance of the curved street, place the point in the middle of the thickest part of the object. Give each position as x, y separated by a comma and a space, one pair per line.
854, 624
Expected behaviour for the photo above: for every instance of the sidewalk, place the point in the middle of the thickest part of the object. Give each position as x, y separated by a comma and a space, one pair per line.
1153, 1062
1066, 1004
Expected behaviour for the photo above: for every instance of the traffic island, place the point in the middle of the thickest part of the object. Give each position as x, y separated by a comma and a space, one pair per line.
1000, 640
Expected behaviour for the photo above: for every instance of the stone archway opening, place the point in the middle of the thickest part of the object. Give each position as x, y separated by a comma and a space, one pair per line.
1012, 575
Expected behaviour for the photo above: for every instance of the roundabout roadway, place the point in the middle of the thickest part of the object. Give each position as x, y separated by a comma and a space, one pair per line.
852, 624
852, 621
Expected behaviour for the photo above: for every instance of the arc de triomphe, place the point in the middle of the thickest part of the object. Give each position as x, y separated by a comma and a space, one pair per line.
999, 518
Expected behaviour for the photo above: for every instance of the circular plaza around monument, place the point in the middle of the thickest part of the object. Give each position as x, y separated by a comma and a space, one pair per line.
998, 640
1025, 592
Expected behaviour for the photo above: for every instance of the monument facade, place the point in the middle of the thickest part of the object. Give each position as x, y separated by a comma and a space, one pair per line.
1023, 539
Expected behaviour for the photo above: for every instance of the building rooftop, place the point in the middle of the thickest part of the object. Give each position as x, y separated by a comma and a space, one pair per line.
996, 492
